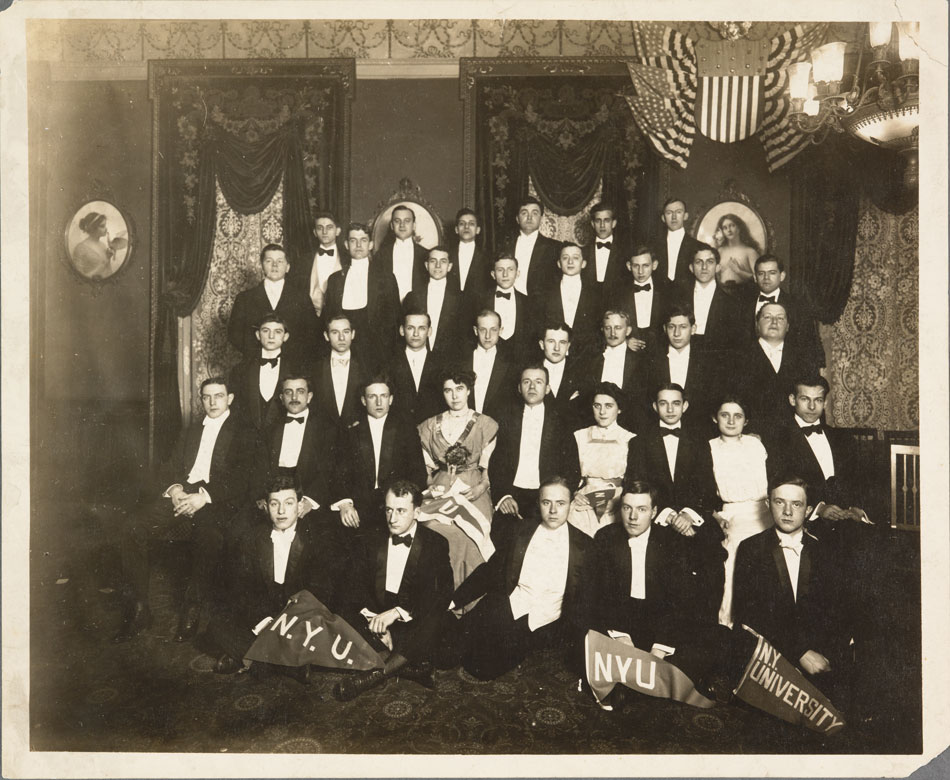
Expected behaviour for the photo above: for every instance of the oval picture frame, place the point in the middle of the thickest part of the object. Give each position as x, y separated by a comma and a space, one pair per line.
758, 227
98, 241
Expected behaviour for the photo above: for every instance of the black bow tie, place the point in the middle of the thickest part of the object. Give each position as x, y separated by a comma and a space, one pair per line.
641, 287
767, 298
405, 539
604, 244
322, 251
288, 419
500, 294
272, 361
808, 430
671, 432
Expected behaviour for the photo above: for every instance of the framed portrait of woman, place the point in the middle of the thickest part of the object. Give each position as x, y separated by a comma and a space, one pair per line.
98, 241
740, 233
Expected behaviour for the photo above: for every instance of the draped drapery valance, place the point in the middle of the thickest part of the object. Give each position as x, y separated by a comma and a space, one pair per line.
247, 127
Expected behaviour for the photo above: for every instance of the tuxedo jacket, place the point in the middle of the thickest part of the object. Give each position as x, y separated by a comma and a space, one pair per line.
616, 263
384, 257
314, 462
502, 384
478, 281
557, 455
803, 330
521, 344
400, 457
244, 382
324, 399
724, 330
684, 259
451, 331
633, 415
499, 576
763, 598
568, 400
231, 462
622, 298
542, 271
294, 306
586, 327
416, 405
766, 391
377, 326
703, 384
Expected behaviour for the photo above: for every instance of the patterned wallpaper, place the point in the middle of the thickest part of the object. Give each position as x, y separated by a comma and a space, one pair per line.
874, 359
133, 41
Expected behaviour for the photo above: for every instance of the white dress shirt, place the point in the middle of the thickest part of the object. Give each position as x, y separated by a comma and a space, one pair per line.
404, 256
282, 541
267, 376
396, 562
466, 255
539, 593
273, 291
792, 550
614, 358
201, 469
774, 354
483, 361
821, 447
702, 300
323, 266
524, 247
292, 440
679, 364
601, 256
376, 435
528, 475
644, 304
674, 240
340, 375
508, 311
570, 296
356, 286
555, 374
435, 298
417, 364
638, 564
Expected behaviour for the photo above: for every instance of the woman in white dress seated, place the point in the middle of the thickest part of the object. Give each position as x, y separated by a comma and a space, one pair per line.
739, 465
602, 450
457, 445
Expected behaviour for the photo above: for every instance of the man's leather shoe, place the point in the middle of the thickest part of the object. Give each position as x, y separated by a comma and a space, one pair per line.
419, 672
188, 623
351, 687
299, 673
227, 665
137, 618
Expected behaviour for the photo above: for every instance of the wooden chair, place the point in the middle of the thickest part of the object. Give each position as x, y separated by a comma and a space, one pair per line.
903, 450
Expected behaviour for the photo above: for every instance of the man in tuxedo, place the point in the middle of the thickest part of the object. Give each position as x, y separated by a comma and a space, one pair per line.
470, 263
787, 587
256, 378
533, 588
366, 292
442, 301
400, 594
327, 258
564, 379
493, 365
534, 444
400, 254
517, 314
644, 591
575, 300
645, 300
273, 294
339, 377
414, 372
209, 472
716, 312
272, 562
379, 448
621, 365
675, 250
536, 254
604, 257
690, 368
769, 276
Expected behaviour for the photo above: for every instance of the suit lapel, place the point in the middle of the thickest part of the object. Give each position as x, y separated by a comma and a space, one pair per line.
518, 550
386, 448
781, 569
628, 367
805, 567
222, 445
382, 552
265, 555
409, 573
366, 448
306, 447
293, 559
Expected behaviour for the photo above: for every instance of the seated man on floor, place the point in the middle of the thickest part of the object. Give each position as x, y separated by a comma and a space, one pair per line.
534, 591
399, 592
270, 564
209, 472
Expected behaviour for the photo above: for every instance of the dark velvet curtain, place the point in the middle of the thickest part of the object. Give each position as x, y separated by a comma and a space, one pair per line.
567, 134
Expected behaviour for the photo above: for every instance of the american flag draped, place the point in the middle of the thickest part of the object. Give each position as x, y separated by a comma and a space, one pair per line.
726, 91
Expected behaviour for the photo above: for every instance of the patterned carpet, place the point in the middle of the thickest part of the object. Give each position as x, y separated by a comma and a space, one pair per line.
155, 695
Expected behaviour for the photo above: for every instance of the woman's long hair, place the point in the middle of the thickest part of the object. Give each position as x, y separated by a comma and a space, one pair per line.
745, 237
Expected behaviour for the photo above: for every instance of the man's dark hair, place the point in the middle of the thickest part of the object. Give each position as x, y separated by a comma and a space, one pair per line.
679, 310
487, 313
505, 256
770, 258
326, 215
759, 315
810, 380
531, 201
292, 378
466, 212
282, 482
566, 245
402, 207
536, 366
381, 378
404, 487
214, 380
790, 479
670, 386
337, 315
554, 480
555, 325
641, 249
673, 199
273, 316
437, 248
272, 248
639, 487
358, 226
603, 206
706, 248
415, 311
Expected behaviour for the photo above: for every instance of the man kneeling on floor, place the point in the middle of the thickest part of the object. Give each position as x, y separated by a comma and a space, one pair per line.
270, 564
401, 587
